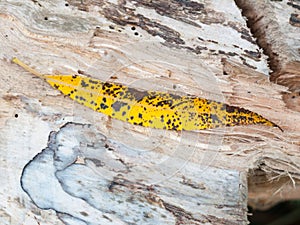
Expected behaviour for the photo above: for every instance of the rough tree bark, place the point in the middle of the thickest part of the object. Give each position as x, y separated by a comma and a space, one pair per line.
62, 163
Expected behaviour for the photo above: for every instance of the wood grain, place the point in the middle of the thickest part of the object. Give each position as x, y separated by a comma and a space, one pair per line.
176, 48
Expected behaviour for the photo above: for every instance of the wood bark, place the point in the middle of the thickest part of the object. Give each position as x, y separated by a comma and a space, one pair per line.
66, 164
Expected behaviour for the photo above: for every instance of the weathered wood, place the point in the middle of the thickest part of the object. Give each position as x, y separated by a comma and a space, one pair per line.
276, 24
175, 47
96, 180
269, 180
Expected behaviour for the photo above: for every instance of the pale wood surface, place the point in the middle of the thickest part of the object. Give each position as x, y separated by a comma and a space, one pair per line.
176, 49
97, 180
276, 25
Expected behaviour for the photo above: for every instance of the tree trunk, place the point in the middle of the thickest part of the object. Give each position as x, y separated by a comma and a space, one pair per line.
88, 168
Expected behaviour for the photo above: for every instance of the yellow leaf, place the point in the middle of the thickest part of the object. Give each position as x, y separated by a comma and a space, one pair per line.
149, 108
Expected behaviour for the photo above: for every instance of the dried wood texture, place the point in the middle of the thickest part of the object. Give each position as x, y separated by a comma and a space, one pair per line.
174, 47
276, 24
94, 179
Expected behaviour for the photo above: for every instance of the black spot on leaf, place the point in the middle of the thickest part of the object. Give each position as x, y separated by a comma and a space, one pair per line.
118, 105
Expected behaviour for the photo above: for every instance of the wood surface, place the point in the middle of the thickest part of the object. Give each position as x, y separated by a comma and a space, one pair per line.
276, 25
63, 163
